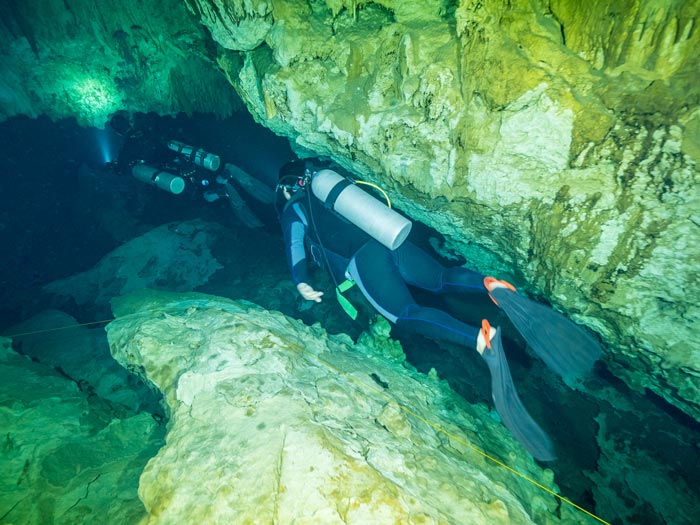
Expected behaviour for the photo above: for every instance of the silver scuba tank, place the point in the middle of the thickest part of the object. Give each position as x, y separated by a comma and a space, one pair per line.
162, 179
200, 157
361, 209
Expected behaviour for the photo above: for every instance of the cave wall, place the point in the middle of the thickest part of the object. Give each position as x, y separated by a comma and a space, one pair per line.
555, 143
85, 59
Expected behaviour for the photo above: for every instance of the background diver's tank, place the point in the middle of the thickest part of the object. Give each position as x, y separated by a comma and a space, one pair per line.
360, 208
199, 157
159, 178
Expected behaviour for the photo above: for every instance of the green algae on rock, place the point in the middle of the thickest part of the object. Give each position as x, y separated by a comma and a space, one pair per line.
67, 456
87, 60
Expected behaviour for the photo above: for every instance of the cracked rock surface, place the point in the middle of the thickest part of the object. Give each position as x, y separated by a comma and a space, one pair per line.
67, 456
272, 421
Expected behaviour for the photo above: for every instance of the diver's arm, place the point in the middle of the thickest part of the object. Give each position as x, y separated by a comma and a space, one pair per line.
294, 231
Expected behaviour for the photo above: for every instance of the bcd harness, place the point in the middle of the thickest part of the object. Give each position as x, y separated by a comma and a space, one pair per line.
329, 204
345, 304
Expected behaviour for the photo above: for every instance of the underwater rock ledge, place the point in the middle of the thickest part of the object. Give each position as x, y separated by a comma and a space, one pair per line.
552, 141
67, 456
272, 421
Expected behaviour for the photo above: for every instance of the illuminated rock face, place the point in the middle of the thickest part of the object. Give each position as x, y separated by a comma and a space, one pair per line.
87, 60
558, 145
272, 421
556, 142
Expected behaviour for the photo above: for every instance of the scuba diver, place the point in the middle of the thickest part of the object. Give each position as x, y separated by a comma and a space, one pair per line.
330, 220
176, 167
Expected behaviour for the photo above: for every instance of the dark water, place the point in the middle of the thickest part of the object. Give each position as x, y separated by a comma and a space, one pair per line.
54, 191
61, 211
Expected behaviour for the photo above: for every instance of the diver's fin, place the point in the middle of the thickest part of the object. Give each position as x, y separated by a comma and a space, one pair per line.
508, 405
564, 346
240, 209
252, 186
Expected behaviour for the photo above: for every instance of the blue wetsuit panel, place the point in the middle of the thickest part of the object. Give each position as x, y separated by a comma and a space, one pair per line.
379, 273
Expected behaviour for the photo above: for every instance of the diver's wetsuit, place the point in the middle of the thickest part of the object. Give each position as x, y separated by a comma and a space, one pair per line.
381, 274
383, 277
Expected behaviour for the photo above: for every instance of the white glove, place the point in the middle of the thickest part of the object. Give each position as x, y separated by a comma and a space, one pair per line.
308, 293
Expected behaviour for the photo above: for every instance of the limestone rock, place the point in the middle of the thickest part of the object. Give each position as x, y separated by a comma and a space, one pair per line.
174, 256
553, 142
57, 340
274, 421
87, 60
65, 456
643, 483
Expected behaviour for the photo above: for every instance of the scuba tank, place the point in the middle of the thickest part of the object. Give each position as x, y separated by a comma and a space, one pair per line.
199, 157
162, 179
361, 209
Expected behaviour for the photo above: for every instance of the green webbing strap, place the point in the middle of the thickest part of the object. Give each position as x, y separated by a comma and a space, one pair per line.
342, 287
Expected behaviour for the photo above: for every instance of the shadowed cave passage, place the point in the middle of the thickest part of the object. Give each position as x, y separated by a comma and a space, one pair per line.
61, 210
62, 213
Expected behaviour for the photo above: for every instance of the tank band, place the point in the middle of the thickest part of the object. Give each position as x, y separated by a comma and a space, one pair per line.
335, 192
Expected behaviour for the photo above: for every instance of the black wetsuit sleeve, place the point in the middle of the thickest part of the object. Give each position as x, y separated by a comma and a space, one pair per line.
294, 230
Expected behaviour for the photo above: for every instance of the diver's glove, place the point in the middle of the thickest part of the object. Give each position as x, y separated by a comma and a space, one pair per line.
308, 293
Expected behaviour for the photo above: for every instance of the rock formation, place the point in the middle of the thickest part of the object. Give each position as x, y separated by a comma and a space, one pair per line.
81, 354
176, 256
272, 421
67, 455
551, 143
546, 140
87, 60
234, 374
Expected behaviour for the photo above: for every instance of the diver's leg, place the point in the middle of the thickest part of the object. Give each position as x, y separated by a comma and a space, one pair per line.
565, 347
375, 270
378, 276
513, 414
240, 209
421, 270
